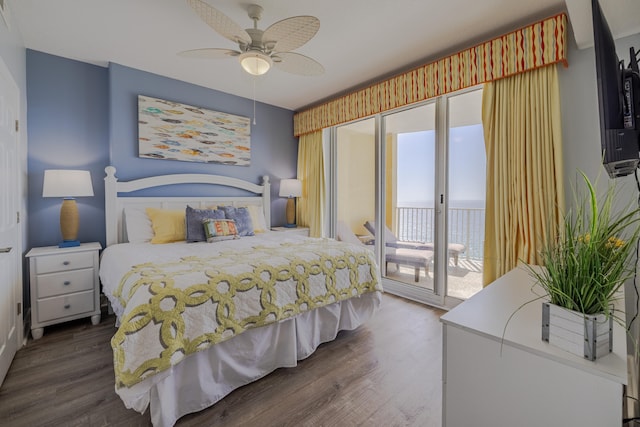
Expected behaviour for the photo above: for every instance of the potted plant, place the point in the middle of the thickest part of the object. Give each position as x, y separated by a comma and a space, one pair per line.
585, 265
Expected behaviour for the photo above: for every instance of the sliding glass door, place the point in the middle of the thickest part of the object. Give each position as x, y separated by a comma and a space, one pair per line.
410, 184
466, 181
408, 219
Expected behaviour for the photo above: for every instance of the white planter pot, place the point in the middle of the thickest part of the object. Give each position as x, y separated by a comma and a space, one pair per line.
588, 336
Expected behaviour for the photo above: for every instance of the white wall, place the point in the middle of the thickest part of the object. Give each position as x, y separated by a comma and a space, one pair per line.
580, 116
581, 135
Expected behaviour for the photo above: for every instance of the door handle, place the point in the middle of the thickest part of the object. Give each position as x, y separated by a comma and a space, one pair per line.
5, 250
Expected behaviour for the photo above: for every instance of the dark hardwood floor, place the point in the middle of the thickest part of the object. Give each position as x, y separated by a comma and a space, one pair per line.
385, 373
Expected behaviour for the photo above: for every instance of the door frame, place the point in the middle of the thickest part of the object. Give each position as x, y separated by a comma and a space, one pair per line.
418, 294
438, 297
14, 102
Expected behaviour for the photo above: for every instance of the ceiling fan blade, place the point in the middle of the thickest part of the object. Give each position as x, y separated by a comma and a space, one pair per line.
290, 33
220, 22
209, 53
295, 63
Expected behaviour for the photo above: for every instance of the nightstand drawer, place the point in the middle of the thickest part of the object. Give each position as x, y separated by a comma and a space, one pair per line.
64, 282
65, 305
64, 262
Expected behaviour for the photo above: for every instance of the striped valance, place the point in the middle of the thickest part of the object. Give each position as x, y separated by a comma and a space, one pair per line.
534, 46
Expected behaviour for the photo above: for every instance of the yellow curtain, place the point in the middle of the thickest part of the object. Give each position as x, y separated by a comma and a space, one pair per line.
310, 208
525, 190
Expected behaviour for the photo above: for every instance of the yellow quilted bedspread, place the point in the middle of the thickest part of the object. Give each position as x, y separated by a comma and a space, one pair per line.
177, 308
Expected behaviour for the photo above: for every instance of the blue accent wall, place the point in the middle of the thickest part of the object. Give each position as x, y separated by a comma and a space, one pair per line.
68, 128
83, 116
274, 150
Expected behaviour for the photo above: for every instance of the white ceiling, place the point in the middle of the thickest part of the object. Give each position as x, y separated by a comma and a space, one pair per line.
358, 40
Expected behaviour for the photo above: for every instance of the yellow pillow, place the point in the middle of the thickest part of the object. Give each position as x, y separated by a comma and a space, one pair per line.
168, 225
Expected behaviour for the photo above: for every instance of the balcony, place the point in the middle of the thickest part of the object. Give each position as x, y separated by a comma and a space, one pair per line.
466, 226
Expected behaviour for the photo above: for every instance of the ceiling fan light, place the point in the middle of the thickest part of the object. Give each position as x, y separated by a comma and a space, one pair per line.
256, 63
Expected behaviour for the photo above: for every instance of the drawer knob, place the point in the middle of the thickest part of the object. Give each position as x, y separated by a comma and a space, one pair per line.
67, 306
66, 283
66, 263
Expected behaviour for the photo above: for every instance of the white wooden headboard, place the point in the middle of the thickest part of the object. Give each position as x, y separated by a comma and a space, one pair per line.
115, 205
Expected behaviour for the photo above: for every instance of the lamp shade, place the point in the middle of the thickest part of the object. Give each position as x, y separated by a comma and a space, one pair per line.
67, 183
255, 62
290, 188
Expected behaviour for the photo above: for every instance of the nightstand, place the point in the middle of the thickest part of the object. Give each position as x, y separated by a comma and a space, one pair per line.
64, 285
303, 231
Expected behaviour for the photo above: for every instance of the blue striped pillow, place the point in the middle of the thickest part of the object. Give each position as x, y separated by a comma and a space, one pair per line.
242, 217
195, 218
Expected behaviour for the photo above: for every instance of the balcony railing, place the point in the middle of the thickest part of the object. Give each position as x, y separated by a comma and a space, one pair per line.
466, 226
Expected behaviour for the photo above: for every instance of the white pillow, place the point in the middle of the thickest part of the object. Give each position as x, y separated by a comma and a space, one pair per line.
138, 224
345, 234
257, 218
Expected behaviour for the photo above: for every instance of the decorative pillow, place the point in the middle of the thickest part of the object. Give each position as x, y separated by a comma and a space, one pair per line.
195, 218
242, 218
257, 218
345, 234
219, 229
168, 225
138, 225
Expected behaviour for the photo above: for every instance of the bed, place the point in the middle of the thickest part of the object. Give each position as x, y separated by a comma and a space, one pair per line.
196, 320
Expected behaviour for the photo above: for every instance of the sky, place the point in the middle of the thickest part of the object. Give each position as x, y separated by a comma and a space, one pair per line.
467, 162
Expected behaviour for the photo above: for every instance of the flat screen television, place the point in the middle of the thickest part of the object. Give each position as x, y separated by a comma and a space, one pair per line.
618, 99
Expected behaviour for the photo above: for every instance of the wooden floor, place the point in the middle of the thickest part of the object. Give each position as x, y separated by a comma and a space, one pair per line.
385, 373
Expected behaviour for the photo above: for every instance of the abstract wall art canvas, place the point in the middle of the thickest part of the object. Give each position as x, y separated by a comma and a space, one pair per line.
169, 130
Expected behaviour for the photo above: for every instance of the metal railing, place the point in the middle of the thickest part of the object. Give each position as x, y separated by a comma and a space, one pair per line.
466, 226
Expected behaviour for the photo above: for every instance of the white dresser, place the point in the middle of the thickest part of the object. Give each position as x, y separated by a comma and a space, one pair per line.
64, 285
521, 380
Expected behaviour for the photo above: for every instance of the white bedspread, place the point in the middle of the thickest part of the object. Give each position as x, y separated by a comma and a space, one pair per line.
117, 260
239, 360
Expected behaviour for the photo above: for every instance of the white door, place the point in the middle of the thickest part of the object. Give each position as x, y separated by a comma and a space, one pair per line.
10, 251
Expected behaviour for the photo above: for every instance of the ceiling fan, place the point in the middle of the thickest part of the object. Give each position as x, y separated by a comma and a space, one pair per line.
259, 50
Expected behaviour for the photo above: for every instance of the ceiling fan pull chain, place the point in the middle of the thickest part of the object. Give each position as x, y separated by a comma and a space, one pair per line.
254, 100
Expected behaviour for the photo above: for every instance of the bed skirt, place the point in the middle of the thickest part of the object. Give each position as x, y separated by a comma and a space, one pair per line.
204, 378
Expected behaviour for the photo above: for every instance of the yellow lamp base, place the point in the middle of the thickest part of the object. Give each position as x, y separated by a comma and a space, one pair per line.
291, 213
69, 223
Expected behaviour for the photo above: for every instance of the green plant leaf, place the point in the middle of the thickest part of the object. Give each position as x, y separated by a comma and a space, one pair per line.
588, 258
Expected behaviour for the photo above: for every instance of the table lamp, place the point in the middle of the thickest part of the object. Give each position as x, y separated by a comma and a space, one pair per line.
290, 188
68, 184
